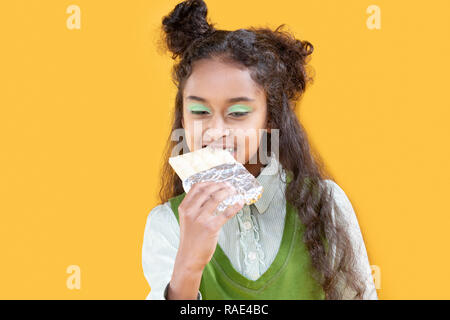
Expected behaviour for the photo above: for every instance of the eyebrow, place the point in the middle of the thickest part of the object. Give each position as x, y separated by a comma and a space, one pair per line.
231, 100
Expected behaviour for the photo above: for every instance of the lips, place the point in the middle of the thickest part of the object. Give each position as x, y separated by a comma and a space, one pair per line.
229, 149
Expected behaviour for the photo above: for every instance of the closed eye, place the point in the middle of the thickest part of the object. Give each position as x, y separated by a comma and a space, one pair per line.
199, 112
238, 114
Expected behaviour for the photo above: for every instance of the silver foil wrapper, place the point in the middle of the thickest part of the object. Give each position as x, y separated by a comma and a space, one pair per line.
247, 187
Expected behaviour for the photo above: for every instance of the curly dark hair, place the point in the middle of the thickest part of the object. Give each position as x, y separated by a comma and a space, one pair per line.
278, 63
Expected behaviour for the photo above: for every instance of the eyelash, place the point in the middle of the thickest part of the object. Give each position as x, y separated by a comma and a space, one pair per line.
238, 114
199, 112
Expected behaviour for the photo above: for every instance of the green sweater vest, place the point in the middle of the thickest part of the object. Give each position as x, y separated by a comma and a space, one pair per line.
287, 278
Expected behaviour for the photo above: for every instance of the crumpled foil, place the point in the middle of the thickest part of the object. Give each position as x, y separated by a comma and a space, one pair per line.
247, 187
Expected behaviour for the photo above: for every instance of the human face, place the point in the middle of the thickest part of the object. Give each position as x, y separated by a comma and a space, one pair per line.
227, 105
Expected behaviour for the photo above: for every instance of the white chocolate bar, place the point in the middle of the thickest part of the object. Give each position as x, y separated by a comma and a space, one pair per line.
191, 163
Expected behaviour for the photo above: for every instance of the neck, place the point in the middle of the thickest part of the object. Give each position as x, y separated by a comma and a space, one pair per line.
254, 169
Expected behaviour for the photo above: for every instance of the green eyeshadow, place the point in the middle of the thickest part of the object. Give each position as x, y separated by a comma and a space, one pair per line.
198, 108
239, 108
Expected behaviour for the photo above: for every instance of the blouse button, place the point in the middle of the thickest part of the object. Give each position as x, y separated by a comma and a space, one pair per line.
252, 255
247, 225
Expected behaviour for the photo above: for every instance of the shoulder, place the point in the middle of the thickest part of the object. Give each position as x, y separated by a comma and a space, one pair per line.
161, 219
342, 207
331, 185
160, 211
339, 197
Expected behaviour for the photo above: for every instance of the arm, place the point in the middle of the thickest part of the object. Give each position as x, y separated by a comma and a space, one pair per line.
184, 284
159, 251
343, 208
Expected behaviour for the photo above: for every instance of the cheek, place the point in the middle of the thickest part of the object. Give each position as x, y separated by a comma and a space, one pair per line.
255, 121
260, 119
248, 135
193, 133
188, 131
255, 127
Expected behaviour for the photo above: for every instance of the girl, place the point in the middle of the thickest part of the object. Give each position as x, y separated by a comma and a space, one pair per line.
301, 239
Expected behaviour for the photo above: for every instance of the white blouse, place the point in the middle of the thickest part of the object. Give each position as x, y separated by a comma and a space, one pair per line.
250, 239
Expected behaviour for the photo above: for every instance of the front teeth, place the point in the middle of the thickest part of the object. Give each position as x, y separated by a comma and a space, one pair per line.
231, 150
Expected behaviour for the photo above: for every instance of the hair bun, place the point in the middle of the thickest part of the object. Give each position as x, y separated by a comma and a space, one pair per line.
295, 55
184, 24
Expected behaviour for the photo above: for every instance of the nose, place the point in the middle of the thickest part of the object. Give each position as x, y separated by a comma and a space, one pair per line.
215, 129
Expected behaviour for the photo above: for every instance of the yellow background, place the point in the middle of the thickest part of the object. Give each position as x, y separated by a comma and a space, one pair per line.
84, 115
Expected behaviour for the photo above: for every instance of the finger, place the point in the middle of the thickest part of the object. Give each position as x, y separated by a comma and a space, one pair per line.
196, 195
210, 191
202, 194
221, 189
215, 198
228, 213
